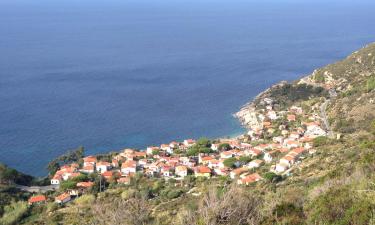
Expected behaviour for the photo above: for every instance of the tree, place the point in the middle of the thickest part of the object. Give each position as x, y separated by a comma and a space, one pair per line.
224, 147
203, 142
272, 177
9, 175
155, 152
192, 151
69, 184
230, 162
70, 156
81, 178
245, 159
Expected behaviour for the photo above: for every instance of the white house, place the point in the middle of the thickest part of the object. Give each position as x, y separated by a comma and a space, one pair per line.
174, 144
215, 147
181, 171
56, 179
281, 167
278, 139
103, 166
267, 157
89, 160
129, 166
226, 154
189, 142
287, 160
272, 115
150, 149
166, 147
255, 164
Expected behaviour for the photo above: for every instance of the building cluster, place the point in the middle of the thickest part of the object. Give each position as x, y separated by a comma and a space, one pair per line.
289, 136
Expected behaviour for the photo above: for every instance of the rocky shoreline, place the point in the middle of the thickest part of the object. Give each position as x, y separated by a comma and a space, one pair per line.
247, 113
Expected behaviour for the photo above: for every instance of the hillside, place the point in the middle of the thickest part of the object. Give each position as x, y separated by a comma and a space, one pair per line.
322, 126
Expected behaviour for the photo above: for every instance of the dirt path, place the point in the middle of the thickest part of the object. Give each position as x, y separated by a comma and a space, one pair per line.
323, 113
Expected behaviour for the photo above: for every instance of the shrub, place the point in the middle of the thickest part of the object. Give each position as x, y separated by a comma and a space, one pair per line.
289, 213
340, 205
52, 206
370, 84
319, 78
367, 144
230, 162
320, 141
85, 199
224, 147
80, 178
174, 194
69, 184
272, 177
245, 159
203, 142
127, 194
118, 211
14, 212
234, 205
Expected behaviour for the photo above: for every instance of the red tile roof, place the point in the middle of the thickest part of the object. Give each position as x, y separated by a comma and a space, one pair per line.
62, 197
203, 169
129, 163
37, 198
85, 184
89, 159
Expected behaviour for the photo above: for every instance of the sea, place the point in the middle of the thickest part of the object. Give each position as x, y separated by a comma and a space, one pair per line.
115, 74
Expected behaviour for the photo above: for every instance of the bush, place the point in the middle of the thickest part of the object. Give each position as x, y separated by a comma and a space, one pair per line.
174, 194
224, 147
289, 213
340, 205
203, 142
69, 184
127, 194
245, 159
85, 199
320, 141
230, 162
289, 93
234, 205
52, 206
80, 178
14, 212
367, 144
272, 177
319, 78
370, 84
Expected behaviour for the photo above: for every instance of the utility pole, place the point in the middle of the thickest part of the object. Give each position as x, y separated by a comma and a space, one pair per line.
100, 181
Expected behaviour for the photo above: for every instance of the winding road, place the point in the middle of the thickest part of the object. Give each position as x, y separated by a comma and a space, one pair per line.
37, 189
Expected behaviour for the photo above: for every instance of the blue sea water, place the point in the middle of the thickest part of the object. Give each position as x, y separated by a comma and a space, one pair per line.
131, 73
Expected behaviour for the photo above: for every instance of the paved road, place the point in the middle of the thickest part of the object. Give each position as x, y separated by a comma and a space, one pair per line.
41, 189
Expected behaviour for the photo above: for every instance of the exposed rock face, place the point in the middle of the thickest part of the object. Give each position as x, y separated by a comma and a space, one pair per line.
248, 117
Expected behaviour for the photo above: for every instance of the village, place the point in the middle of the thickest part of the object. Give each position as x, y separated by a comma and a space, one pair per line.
276, 142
